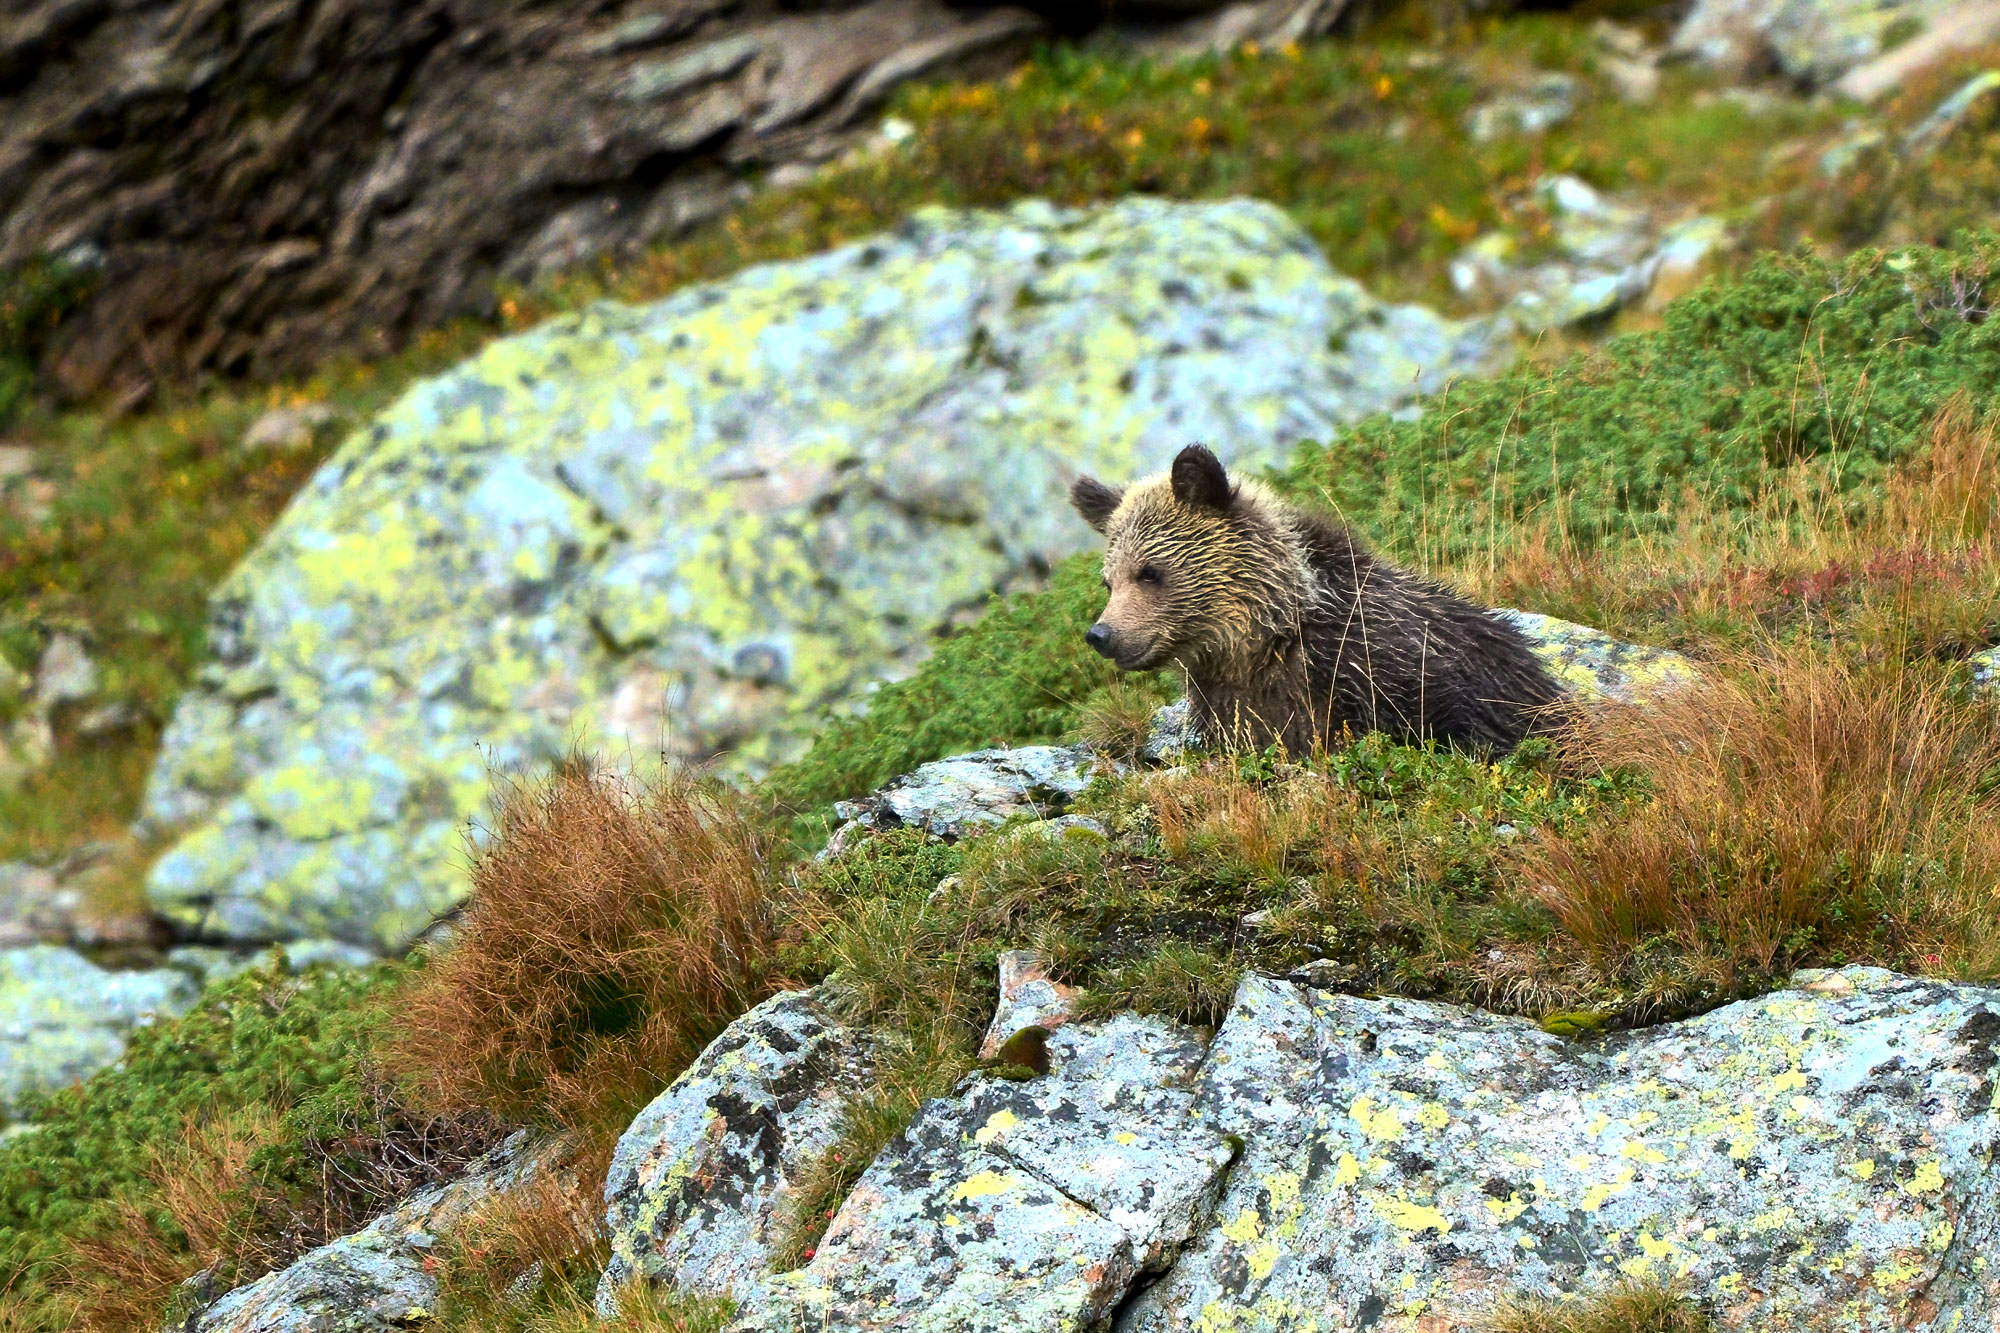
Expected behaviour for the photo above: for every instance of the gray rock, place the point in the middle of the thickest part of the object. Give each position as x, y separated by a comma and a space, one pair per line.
1969, 24
1171, 734
1020, 1206
1541, 106
357, 180
209, 963
1608, 255
62, 1018
34, 906
290, 429
1971, 97
951, 798
66, 673
1821, 1149
1028, 998
699, 525
1591, 664
381, 1279
701, 1179
1814, 41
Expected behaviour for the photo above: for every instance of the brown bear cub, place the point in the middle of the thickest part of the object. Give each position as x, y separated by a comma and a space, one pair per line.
1288, 630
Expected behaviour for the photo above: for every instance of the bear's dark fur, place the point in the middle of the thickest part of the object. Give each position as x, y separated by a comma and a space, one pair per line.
1289, 630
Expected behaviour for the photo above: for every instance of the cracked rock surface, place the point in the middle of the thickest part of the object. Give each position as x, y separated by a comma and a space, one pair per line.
701, 1179
1818, 1158
697, 524
1020, 1205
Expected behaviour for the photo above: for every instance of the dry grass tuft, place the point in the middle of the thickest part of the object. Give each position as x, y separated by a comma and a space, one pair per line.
1909, 568
615, 927
528, 1258
1627, 1308
1805, 806
121, 1277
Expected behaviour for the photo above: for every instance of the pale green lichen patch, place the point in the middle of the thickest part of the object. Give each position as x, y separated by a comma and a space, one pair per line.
697, 525
1592, 664
1814, 1159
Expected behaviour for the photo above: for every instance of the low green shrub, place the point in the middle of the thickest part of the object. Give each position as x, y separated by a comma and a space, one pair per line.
1017, 675
1801, 358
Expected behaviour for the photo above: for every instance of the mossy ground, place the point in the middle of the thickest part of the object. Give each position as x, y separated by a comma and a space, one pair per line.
1790, 474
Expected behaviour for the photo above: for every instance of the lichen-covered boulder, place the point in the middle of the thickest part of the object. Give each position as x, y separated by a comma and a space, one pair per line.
1818, 1158
695, 525
1814, 41
1591, 664
700, 1181
63, 1018
1024, 1207
381, 1279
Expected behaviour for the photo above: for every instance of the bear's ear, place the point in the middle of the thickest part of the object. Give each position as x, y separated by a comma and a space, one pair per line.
1199, 481
1095, 501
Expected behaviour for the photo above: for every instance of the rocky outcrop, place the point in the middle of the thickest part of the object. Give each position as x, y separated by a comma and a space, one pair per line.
62, 1018
256, 190
1811, 41
1598, 256
959, 796
1819, 1158
697, 524
701, 1181
260, 189
1021, 1205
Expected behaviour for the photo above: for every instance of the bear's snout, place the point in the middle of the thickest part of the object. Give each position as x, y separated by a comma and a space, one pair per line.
1098, 636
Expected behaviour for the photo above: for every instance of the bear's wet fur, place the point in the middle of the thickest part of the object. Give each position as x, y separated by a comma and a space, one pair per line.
1289, 630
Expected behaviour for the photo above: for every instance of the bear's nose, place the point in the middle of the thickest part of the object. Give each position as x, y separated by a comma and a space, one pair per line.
1098, 636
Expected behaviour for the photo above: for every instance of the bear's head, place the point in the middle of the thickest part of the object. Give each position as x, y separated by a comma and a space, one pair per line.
1198, 567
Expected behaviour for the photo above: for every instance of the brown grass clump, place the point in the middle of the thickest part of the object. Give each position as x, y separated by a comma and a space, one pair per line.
1809, 806
615, 927
1908, 569
1630, 1307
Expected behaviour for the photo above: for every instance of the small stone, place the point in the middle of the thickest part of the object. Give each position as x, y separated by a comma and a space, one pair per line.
66, 673
1541, 106
1028, 998
290, 429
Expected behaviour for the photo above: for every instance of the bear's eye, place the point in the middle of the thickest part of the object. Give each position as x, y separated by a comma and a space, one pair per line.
1147, 574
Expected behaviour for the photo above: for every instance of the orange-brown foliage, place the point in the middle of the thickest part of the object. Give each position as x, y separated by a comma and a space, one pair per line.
615, 926
1805, 804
